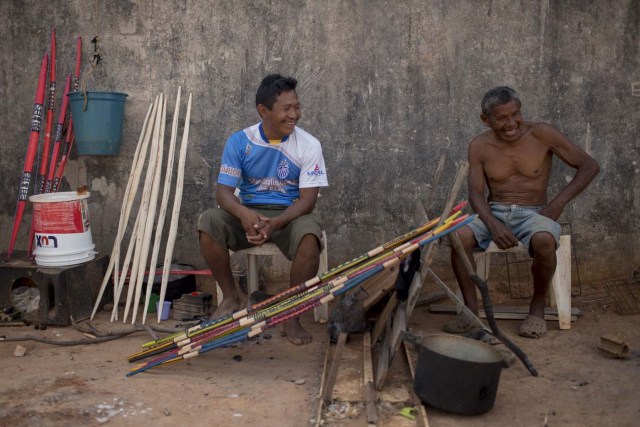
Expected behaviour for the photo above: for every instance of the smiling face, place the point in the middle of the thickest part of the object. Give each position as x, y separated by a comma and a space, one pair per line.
281, 119
505, 120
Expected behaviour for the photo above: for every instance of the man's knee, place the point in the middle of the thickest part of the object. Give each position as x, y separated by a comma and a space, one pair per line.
213, 226
467, 238
543, 244
309, 246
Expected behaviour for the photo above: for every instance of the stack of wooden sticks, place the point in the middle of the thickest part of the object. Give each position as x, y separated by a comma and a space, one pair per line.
148, 222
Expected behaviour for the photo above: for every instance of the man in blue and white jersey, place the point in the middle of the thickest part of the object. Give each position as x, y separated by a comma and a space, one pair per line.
278, 169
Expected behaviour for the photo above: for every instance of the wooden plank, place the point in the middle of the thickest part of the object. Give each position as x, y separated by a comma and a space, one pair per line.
378, 286
370, 396
507, 312
392, 340
383, 319
333, 370
458, 300
405, 309
453, 194
424, 421
421, 216
425, 299
321, 393
384, 359
414, 292
561, 282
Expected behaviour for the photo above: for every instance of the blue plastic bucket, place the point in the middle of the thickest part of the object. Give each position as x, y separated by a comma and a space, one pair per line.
98, 130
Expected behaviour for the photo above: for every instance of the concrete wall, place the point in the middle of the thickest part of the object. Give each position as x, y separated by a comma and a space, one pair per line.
387, 87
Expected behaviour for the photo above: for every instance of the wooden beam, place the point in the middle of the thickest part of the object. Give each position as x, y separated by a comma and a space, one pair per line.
321, 392
412, 370
370, 396
514, 312
383, 319
333, 370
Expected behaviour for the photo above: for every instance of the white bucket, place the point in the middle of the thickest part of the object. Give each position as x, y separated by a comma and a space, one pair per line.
62, 230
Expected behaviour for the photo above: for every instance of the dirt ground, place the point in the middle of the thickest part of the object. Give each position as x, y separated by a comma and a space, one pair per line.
269, 382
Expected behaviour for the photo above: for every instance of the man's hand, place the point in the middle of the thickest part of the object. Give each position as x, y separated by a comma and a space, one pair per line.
263, 229
552, 211
502, 235
249, 219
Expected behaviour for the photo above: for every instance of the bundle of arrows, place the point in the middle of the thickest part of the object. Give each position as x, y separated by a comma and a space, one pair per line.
236, 327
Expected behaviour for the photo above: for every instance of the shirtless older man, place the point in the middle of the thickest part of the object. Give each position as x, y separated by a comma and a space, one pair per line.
513, 158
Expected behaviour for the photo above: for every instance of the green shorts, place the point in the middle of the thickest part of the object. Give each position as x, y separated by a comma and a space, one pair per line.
227, 230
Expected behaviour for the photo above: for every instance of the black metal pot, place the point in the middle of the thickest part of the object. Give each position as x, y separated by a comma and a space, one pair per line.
458, 374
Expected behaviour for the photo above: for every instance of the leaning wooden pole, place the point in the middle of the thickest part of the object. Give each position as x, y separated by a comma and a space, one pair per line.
163, 205
120, 277
144, 208
119, 280
175, 213
151, 216
132, 186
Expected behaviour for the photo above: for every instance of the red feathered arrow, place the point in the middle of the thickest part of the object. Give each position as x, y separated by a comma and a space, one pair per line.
36, 125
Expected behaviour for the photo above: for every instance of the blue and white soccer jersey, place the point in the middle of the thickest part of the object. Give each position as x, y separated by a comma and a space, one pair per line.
272, 173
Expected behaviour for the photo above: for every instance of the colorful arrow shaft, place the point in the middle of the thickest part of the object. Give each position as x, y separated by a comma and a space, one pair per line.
59, 134
36, 125
51, 103
312, 282
206, 341
70, 139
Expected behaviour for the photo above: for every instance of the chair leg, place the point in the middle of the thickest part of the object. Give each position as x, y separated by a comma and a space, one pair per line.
321, 313
483, 261
252, 274
561, 282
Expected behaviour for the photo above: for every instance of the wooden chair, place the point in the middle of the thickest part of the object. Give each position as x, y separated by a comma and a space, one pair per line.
321, 313
560, 283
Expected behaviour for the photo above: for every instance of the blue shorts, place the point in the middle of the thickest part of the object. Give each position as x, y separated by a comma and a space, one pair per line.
524, 222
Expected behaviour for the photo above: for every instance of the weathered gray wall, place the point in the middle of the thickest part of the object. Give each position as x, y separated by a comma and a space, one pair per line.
387, 86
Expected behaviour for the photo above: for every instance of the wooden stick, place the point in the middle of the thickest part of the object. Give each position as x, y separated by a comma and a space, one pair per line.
323, 378
453, 194
412, 370
175, 214
153, 203
163, 205
384, 316
436, 178
333, 370
369, 391
144, 206
124, 212
135, 175
119, 281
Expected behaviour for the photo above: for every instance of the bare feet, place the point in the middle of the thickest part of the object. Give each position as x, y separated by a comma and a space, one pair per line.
295, 333
227, 306
533, 327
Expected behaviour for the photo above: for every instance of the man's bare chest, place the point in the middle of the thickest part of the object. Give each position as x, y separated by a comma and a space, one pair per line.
528, 160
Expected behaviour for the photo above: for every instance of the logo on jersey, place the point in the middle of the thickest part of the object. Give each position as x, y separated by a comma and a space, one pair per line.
316, 171
247, 149
283, 169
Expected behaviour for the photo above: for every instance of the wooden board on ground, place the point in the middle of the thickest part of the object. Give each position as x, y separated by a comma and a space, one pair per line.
349, 396
507, 312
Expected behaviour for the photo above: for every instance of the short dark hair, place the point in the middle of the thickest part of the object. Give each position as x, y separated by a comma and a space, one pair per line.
498, 96
271, 87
